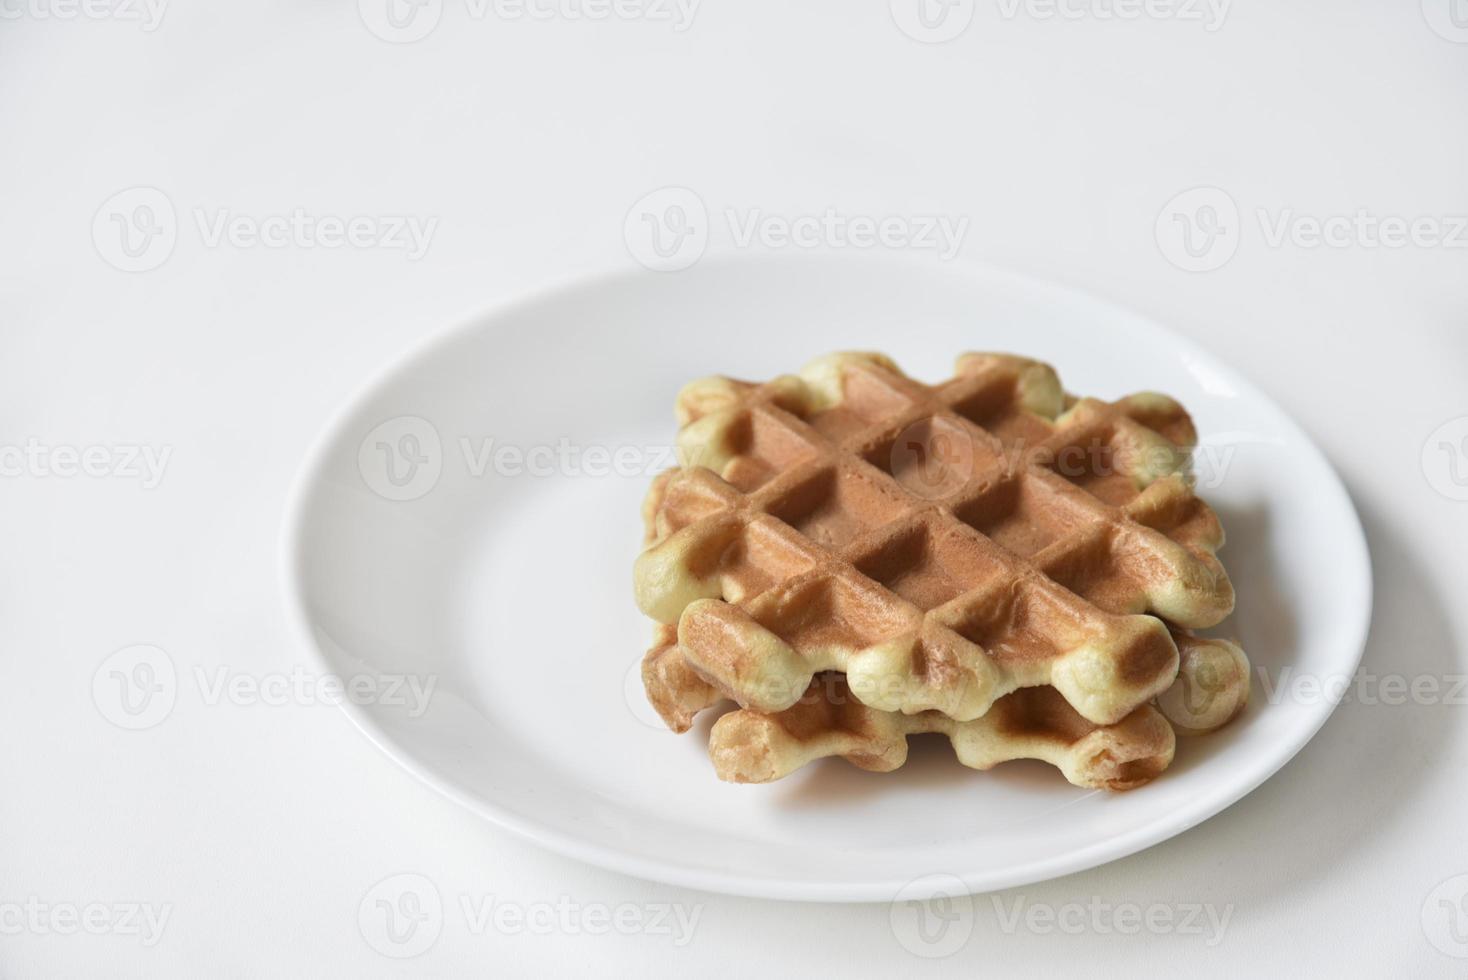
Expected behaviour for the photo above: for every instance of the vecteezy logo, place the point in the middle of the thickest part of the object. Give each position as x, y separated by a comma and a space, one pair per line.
401, 459
1445, 459
932, 459
401, 916
400, 21
635, 694
1202, 686
1445, 917
135, 230
932, 21
1198, 230
933, 916
668, 229
135, 688
1447, 18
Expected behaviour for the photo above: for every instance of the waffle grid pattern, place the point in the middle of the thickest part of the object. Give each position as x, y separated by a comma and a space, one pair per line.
942, 546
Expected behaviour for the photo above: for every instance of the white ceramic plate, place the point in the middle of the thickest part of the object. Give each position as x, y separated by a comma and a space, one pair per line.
511, 587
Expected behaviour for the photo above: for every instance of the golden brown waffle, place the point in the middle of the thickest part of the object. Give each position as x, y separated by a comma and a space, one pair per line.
942, 546
1032, 723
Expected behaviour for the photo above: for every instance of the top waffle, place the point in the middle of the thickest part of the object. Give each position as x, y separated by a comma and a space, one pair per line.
940, 545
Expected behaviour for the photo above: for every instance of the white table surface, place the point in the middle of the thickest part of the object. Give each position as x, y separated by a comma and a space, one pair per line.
258, 829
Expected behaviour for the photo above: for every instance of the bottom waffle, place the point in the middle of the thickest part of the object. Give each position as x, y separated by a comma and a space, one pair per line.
1031, 723
748, 746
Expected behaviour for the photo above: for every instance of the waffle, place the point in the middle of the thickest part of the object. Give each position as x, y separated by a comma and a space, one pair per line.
942, 547
1031, 723
1212, 687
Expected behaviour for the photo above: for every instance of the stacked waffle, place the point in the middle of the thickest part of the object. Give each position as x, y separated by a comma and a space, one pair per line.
853, 556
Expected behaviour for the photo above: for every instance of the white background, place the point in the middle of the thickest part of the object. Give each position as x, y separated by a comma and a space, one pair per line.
260, 829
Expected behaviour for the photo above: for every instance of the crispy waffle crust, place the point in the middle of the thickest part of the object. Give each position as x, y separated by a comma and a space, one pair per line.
1211, 689
941, 546
1031, 723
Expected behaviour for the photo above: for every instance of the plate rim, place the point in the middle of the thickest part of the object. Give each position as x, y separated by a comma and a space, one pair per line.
1148, 834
